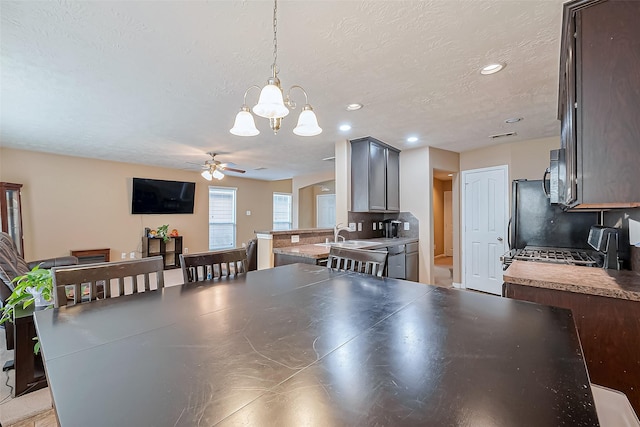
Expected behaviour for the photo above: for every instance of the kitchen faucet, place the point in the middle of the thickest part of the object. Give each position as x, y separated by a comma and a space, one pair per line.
336, 232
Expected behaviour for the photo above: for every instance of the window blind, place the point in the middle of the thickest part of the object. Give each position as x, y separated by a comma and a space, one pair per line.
282, 215
222, 218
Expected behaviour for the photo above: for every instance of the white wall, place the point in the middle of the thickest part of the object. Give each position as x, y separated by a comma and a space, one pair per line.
526, 159
415, 197
343, 181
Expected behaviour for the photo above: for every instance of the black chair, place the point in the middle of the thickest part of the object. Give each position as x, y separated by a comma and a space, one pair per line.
213, 265
90, 282
358, 260
252, 255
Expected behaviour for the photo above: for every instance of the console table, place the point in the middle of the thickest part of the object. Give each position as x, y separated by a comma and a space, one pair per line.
89, 256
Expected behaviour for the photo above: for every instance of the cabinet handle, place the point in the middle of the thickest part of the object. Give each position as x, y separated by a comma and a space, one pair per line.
544, 180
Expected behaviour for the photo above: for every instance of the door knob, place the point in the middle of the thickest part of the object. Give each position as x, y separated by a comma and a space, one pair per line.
499, 239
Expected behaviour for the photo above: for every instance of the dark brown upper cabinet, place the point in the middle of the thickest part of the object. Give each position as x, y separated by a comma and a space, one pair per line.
599, 104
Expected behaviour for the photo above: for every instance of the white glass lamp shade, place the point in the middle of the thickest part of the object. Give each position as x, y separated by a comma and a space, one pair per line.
244, 125
307, 124
206, 174
217, 174
271, 105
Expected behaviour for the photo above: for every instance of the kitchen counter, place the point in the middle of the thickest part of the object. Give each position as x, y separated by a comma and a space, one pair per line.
319, 251
605, 306
622, 284
296, 231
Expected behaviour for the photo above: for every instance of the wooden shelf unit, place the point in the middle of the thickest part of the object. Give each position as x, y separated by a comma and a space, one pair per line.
169, 250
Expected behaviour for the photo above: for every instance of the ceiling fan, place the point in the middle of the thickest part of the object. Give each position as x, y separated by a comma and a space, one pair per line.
214, 169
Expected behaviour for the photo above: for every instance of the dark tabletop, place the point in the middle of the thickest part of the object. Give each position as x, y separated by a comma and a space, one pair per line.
303, 345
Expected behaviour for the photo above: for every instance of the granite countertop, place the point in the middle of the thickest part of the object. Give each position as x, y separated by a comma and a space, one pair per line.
320, 250
296, 231
622, 284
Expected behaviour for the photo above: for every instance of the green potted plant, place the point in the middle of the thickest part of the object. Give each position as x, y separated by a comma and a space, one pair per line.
34, 287
163, 231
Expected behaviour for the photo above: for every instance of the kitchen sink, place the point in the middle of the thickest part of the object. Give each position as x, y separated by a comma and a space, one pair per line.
348, 244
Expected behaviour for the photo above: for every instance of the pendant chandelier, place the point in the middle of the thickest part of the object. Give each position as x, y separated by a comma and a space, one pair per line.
271, 104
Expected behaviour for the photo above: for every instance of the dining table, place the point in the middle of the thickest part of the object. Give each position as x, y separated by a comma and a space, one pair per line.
304, 345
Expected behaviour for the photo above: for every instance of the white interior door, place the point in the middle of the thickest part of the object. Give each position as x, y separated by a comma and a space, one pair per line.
325, 210
448, 224
485, 196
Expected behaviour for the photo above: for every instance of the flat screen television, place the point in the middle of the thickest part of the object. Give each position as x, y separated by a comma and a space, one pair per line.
156, 196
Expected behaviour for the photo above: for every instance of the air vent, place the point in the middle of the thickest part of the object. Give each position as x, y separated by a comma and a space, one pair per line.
502, 135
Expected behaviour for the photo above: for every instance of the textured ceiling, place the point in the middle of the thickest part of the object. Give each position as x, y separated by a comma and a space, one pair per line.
160, 82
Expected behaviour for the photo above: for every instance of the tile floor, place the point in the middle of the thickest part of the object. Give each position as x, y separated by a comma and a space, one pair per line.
443, 271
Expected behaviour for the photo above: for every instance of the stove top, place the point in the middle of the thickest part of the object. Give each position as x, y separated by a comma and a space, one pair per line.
550, 255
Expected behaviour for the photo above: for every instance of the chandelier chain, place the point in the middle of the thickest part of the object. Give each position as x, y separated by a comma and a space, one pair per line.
275, 38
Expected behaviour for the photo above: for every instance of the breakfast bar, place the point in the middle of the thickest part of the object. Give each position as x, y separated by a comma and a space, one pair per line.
302, 344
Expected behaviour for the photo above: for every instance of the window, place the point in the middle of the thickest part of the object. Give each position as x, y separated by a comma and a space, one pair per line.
282, 211
222, 218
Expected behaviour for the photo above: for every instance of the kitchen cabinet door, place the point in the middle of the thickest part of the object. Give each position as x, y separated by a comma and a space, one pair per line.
377, 177
600, 103
393, 180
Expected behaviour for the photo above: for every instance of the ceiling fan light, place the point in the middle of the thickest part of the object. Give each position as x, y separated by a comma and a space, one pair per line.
307, 123
206, 174
244, 124
217, 174
271, 104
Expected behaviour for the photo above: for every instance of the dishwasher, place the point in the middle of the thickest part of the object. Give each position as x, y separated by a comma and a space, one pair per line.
396, 262
402, 261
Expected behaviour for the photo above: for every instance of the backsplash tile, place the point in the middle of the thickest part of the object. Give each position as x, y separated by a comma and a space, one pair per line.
367, 219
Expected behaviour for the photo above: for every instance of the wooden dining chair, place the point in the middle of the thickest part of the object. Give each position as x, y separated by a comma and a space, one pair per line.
358, 260
89, 282
213, 265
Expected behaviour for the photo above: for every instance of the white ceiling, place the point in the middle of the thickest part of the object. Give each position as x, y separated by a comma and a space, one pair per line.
160, 82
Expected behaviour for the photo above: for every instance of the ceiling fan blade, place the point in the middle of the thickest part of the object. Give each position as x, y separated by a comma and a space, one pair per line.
231, 169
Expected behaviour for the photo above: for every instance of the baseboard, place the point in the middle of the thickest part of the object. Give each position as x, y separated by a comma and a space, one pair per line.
458, 285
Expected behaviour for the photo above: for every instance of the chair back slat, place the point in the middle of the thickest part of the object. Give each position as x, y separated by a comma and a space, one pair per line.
213, 265
358, 260
96, 279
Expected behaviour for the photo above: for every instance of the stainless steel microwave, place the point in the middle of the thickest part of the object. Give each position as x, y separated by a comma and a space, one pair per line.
557, 172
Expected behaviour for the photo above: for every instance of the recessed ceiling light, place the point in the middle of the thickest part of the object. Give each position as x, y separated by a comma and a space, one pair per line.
450, 174
412, 139
345, 127
355, 106
493, 68
514, 120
